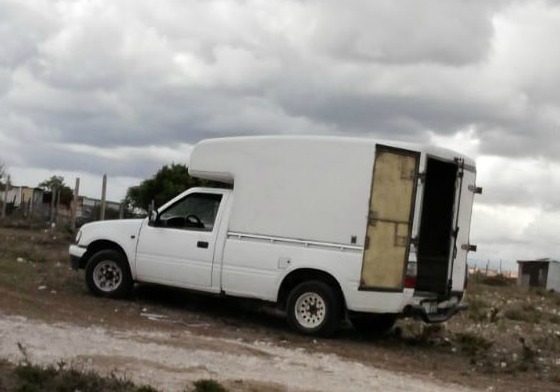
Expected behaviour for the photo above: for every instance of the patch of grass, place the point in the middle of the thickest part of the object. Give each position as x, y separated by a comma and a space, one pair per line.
472, 344
478, 309
524, 313
208, 385
423, 335
498, 280
27, 377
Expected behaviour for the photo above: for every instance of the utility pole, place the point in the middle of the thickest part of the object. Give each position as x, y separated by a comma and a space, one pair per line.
103, 195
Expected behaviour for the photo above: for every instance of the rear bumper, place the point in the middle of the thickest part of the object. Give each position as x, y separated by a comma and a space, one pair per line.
437, 316
76, 254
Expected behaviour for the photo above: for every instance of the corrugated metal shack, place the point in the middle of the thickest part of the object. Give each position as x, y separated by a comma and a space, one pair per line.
543, 273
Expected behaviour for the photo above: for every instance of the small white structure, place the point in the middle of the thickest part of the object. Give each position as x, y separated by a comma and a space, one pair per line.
544, 273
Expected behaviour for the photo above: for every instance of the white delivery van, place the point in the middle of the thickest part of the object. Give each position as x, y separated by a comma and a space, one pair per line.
324, 227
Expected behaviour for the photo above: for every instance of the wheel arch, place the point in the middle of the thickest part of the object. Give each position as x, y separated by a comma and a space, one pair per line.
99, 245
301, 275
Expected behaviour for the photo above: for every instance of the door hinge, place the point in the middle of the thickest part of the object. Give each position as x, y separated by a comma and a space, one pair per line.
372, 218
422, 177
366, 242
477, 190
469, 247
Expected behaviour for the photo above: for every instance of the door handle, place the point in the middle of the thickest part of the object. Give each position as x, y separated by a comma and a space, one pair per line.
202, 244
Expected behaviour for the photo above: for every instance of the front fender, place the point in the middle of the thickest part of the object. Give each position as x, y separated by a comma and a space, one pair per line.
114, 234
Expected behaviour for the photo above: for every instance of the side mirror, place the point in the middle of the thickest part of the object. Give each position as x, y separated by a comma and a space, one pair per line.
153, 217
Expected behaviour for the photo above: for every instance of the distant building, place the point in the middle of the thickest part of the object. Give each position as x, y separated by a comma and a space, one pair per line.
544, 273
37, 203
89, 208
26, 199
20, 195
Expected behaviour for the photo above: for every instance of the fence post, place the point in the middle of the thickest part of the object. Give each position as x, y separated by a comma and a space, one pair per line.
103, 195
74, 211
4, 205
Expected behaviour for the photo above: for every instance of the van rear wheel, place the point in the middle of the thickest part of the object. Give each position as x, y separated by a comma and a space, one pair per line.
314, 308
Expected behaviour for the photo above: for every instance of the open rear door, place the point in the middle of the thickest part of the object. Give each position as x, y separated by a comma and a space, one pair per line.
391, 211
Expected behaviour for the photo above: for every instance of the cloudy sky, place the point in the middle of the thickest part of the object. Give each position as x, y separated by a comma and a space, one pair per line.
98, 86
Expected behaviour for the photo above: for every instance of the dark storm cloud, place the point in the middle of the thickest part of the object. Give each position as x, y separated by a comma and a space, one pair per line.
128, 75
124, 87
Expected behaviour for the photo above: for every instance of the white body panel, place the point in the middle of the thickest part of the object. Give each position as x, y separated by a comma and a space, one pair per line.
297, 187
124, 233
293, 189
255, 267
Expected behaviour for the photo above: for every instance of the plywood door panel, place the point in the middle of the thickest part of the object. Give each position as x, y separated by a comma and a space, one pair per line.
390, 219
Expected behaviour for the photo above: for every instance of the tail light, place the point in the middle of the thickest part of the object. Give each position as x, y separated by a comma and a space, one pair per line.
411, 273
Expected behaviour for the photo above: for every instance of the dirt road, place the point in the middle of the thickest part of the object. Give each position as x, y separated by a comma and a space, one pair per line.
171, 361
508, 340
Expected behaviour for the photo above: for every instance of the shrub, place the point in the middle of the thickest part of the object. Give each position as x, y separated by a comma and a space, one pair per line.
478, 309
524, 313
473, 344
208, 385
498, 280
34, 378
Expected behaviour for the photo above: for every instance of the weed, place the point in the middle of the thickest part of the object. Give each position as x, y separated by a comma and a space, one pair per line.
524, 313
478, 309
23, 350
27, 377
472, 344
529, 353
540, 291
555, 378
551, 342
498, 280
208, 385
146, 388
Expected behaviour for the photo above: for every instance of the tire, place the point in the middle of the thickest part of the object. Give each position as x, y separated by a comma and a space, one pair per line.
108, 274
314, 308
373, 325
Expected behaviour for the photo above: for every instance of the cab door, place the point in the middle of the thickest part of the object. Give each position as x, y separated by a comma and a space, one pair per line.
391, 211
178, 247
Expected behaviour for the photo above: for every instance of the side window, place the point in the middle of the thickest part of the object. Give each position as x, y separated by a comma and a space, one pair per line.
196, 211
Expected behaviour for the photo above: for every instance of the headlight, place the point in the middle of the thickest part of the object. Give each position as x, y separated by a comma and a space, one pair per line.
78, 236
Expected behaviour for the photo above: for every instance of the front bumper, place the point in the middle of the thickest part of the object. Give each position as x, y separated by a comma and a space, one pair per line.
76, 254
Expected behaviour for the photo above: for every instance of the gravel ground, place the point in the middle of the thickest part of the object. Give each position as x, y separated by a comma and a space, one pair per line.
171, 361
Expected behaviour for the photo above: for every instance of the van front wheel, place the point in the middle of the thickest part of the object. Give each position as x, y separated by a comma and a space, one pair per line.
108, 275
314, 308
